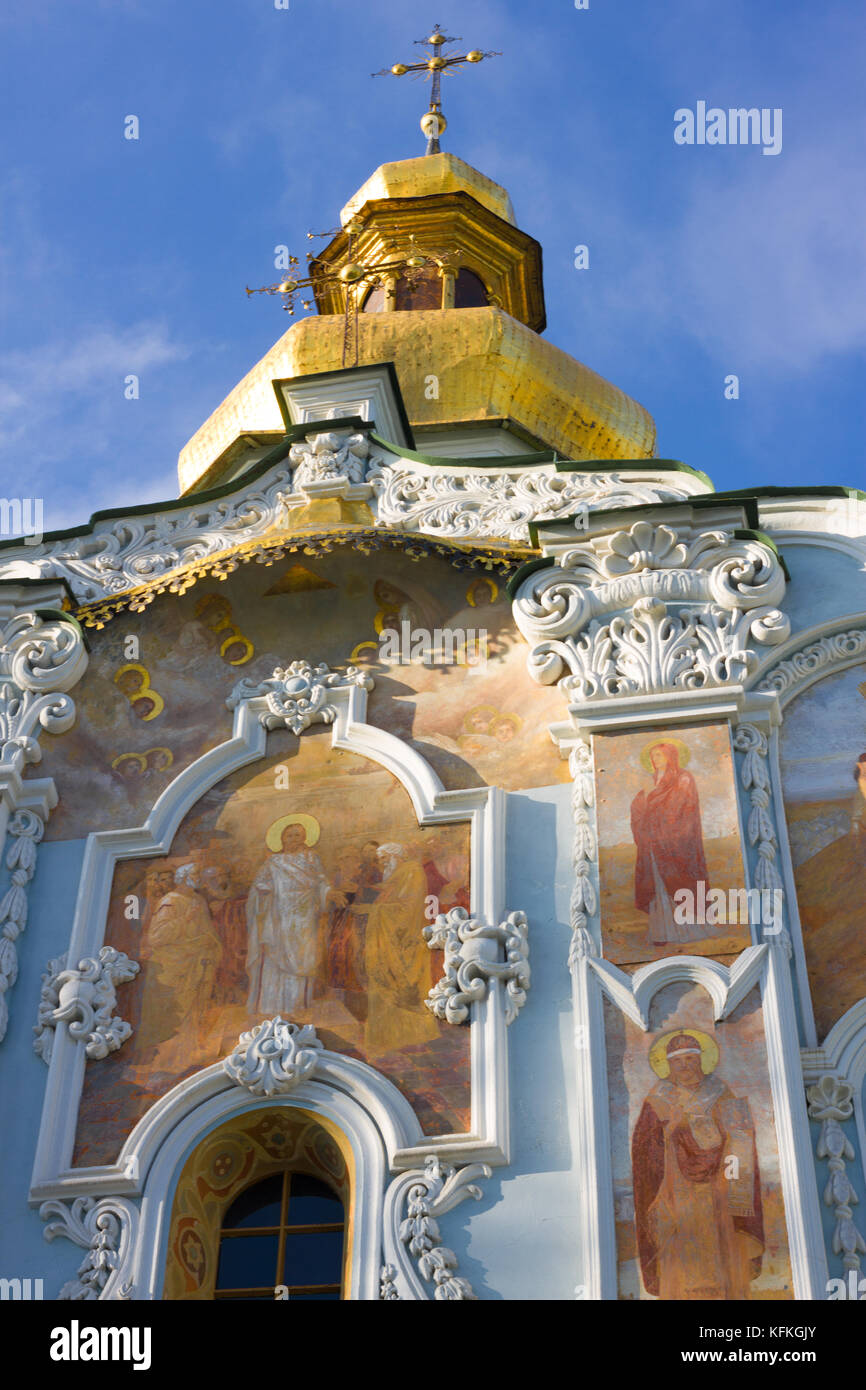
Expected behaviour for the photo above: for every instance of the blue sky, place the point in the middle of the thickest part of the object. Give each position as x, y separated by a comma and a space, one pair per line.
257, 124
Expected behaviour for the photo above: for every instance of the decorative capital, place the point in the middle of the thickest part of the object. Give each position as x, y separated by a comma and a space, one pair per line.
40, 660
84, 999
296, 696
652, 609
271, 1059
475, 954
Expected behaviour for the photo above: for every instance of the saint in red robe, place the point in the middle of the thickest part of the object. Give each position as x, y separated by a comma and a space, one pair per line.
666, 826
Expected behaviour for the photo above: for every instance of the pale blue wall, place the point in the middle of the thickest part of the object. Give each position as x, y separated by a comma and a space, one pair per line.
521, 1240
24, 1253
825, 584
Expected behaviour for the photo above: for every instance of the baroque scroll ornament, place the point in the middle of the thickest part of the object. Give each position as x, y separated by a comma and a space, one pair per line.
84, 999
106, 1230
687, 609
296, 696
826, 651
499, 505
40, 660
475, 954
439, 1188
273, 1058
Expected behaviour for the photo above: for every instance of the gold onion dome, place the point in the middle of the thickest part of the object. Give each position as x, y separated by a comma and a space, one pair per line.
490, 362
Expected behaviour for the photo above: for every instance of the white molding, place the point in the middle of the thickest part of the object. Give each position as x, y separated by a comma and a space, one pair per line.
367, 392
488, 1139
810, 655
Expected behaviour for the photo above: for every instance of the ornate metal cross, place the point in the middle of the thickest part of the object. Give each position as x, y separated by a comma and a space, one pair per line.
433, 123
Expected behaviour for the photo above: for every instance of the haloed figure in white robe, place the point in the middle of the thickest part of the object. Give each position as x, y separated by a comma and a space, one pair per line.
285, 938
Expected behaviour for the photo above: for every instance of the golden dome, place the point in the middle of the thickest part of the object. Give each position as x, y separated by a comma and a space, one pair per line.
489, 362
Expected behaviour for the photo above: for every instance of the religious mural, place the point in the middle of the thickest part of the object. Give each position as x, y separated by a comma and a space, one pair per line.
153, 697
697, 1192
822, 759
670, 858
300, 887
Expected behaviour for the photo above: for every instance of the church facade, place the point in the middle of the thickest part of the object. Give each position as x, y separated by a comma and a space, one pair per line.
433, 842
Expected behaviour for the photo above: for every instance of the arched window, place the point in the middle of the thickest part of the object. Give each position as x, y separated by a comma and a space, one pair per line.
469, 290
422, 290
262, 1203
285, 1232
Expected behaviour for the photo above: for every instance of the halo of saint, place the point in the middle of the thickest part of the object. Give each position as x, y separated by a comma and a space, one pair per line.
658, 1058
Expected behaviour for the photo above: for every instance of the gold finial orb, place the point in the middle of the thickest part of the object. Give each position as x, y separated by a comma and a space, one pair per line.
433, 124
436, 64
436, 39
286, 286
474, 55
351, 273
398, 69
415, 262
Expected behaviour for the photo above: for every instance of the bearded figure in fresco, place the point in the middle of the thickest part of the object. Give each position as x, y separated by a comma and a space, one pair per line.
349, 899
398, 961
285, 933
666, 826
182, 954
697, 1186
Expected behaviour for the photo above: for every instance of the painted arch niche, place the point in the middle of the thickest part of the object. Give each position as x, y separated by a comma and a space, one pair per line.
328, 841
697, 1188
232, 1161
822, 747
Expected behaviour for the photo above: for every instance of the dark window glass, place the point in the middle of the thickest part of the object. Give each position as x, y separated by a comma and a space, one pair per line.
287, 1229
248, 1262
258, 1206
312, 1203
469, 290
313, 1257
424, 291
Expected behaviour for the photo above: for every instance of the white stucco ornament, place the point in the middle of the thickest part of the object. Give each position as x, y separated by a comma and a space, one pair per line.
40, 660
84, 999
271, 1059
296, 696
106, 1229
330, 457
831, 1105
486, 505
654, 608
475, 954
